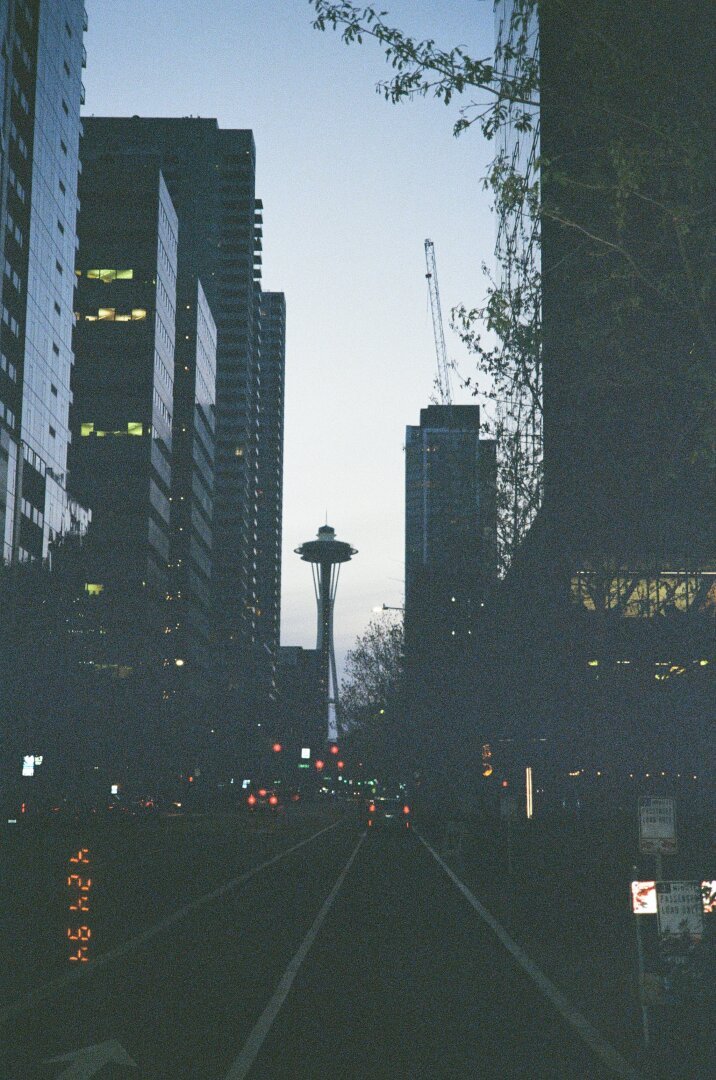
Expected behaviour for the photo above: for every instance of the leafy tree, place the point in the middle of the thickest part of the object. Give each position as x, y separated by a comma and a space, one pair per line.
638, 206
372, 691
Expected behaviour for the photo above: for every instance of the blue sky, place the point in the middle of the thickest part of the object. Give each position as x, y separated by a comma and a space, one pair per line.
351, 187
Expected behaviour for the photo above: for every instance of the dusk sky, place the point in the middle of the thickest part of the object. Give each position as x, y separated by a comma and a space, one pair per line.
351, 187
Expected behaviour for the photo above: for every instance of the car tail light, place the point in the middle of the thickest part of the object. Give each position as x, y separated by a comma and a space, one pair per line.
371, 808
262, 792
406, 809
251, 800
273, 800
370, 822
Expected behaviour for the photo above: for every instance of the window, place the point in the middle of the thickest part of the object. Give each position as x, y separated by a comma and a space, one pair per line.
8, 367
63, 146
52, 432
108, 275
66, 67
93, 589
110, 314
64, 108
53, 389
63, 189
58, 266
58, 309
132, 428
55, 348
61, 227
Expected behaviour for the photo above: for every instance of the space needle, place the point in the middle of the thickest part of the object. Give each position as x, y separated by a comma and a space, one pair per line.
326, 555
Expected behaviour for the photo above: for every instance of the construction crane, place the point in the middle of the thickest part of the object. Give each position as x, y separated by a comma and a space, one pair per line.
443, 377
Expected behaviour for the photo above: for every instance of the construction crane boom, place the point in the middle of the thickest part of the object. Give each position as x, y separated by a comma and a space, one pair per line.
443, 377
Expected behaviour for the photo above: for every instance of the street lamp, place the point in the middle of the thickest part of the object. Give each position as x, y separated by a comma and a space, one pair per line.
387, 607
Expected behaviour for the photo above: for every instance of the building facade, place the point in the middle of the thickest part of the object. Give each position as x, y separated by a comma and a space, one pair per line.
193, 454
605, 631
40, 95
123, 382
211, 176
450, 569
270, 480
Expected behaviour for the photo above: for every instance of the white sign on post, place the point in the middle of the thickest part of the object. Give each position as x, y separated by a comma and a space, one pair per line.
680, 908
657, 826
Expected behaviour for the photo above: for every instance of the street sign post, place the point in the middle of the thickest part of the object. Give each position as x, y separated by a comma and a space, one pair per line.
680, 909
657, 826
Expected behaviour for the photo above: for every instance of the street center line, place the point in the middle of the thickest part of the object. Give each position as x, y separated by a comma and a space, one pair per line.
49, 989
261, 1028
604, 1050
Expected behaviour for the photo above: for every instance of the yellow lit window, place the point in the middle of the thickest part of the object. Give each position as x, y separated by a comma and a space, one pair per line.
122, 318
239, 451
108, 313
93, 589
86, 429
134, 429
110, 275
139, 313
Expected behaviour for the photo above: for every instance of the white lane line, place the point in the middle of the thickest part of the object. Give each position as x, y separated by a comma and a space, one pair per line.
49, 989
611, 1057
261, 1028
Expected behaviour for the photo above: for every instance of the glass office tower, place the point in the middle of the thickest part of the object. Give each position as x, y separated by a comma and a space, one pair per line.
41, 87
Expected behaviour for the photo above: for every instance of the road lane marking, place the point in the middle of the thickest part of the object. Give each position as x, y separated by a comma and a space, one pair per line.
49, 989
603, 1049
261, 1028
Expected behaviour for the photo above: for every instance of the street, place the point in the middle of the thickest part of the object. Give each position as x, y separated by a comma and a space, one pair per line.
293, 948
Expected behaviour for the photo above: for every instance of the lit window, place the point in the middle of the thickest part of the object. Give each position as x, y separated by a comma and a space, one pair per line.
139, 313
110, 275
239, 451
93, 589
86, 429
108, 313
134, 429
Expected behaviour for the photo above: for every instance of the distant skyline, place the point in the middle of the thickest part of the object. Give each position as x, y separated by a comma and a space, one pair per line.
351, 187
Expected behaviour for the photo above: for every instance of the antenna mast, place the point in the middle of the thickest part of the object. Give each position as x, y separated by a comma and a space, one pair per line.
443, 376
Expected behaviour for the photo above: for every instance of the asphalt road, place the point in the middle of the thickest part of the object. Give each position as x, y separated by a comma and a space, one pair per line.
296, 948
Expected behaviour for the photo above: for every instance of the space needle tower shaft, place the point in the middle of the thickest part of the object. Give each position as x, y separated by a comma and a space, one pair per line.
326, 555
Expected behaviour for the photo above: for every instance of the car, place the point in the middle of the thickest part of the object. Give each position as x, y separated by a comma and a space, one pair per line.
263, 799
387, 808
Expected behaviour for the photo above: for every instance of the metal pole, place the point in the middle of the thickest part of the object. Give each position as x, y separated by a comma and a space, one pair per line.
640, 958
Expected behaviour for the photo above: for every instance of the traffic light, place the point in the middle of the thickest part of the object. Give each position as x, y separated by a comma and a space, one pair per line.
320, 764
277, 748
334, 748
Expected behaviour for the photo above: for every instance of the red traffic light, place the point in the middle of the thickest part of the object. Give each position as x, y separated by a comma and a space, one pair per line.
320, 764
340, 764
277, 748
334, 749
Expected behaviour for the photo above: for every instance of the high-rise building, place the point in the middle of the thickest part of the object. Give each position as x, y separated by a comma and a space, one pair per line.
40, 95
211, 176
270, 477
123, 382
193, 453
450, 557
606, 626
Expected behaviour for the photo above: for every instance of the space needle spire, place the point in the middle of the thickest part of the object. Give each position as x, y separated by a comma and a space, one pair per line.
326, 555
